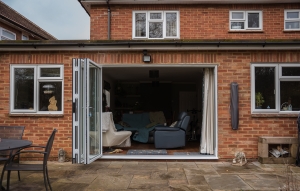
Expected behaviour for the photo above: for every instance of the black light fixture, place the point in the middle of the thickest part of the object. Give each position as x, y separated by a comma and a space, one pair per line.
146, 57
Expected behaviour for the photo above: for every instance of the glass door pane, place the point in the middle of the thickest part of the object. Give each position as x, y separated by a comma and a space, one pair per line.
87, 91
94, 90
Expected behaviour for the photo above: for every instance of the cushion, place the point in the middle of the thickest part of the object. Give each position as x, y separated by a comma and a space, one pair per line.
151, 124
123, 124
173, 124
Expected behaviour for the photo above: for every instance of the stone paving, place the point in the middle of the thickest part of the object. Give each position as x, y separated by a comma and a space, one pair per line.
105, 175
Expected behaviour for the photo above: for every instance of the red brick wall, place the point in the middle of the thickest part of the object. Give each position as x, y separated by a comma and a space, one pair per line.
196, 21
232, 66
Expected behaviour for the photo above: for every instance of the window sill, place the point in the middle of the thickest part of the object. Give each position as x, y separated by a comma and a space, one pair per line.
246, 31
35, 115
274, 115
295, 30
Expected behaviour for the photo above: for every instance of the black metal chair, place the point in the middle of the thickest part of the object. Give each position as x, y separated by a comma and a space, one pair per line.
10, 165
11, 132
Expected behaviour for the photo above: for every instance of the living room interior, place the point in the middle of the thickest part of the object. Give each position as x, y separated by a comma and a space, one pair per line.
148, 89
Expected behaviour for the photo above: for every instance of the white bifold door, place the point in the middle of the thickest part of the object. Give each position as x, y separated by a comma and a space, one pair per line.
87, 104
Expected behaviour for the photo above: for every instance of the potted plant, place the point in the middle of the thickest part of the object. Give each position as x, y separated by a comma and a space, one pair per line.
259, 100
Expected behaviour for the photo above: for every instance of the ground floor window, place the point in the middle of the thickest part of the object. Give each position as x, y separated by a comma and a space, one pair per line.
36, 89
275, 88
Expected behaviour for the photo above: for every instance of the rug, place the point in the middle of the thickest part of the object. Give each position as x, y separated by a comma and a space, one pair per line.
147, 152
186, 153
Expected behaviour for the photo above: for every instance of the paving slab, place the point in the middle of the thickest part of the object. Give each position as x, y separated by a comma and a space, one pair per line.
181, 165
232, 169
200, 171
121, 175
107, 182
264, 184
227, 182
146, 182
197, 180
168, 175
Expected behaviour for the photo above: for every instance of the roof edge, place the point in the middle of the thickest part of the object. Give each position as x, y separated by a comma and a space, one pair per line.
82, 45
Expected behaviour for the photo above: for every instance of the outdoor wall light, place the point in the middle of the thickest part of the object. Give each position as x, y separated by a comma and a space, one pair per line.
146, 57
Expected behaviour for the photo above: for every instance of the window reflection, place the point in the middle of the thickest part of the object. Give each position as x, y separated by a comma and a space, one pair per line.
289, 95
265, 85
24, 88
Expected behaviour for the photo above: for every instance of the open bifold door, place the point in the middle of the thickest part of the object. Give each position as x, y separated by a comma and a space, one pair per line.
87, 104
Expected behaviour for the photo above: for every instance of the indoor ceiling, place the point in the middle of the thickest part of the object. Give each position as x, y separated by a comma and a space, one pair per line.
176, 74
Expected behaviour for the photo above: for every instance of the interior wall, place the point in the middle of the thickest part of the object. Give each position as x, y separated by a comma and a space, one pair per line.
156, 97
180, 87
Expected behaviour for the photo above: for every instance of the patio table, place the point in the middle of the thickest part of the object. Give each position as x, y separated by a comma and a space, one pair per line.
11, 144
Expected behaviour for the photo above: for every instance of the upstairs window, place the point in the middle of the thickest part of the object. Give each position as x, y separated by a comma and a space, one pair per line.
292, 19
7, 35
245, 20
36, 89
155, 24
25, 37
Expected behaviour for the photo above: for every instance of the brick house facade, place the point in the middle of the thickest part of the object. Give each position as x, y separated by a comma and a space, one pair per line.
199, 23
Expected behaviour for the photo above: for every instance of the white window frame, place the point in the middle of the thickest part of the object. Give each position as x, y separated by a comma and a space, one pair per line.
163, 20
5, 37
37, 79
291, 20
245, 20
278, 77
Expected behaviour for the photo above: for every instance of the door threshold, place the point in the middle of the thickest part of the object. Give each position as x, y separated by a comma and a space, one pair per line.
154, 157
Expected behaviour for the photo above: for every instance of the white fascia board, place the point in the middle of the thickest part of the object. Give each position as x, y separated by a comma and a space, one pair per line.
88, 3
147, 47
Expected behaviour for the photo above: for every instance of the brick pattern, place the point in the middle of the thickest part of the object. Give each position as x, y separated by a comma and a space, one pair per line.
232, 66
196, 21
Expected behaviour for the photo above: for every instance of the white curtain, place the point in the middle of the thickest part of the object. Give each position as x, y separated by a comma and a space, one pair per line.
207, 133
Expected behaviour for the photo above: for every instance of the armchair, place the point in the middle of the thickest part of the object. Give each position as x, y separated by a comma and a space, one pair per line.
172, 137
112, 137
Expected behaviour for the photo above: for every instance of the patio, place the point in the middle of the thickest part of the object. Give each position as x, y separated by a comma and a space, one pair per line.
155, 175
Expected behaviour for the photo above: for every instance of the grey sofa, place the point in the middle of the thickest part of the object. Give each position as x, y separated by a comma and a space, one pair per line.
172, 137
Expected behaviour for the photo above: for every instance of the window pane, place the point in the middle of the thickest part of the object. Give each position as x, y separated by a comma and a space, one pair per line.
140, 24
290, 71
289, 94
292, 15
265, 86
253, 20
50, 72
155, 30
292, 25
50, 96
237, 25
8, 34
24, 88
171, 24
155, 16
24, 37
238, 15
